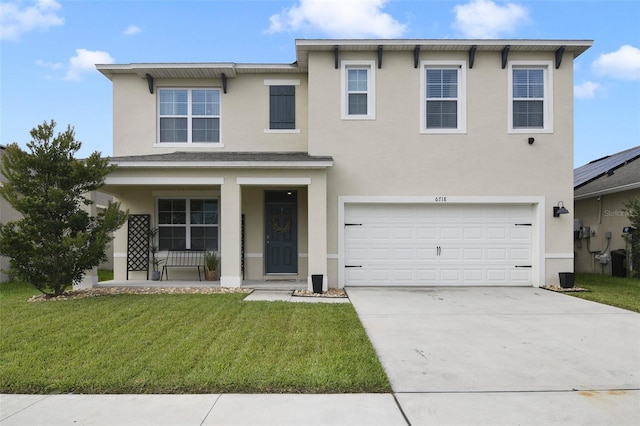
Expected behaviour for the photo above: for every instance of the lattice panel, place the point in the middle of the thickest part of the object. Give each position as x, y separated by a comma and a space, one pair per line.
138, 243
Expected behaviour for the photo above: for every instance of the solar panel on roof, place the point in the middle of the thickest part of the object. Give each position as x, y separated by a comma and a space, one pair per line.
590, 171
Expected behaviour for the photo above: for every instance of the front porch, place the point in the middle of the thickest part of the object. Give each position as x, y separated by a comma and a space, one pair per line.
265, 213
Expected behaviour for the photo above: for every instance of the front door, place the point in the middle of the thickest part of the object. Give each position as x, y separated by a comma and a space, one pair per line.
281, 232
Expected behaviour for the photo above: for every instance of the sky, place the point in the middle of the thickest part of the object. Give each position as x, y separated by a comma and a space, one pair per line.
49, 48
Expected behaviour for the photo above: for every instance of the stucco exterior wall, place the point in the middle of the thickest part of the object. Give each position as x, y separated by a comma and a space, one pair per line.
244, 115
389, 155
602, 214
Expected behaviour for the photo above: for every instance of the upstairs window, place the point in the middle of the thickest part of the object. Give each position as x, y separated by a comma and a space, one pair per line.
358, 82
282, 107
443, 106
530, 104
189, 115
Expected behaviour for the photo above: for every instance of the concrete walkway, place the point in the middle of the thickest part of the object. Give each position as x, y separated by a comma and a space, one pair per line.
473, 356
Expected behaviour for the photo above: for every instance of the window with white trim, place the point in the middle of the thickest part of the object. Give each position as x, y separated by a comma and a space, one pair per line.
189, 115
530, 86
358, 86
443, 105
188, 223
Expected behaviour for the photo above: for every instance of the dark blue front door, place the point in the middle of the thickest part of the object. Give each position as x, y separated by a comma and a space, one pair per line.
281, 232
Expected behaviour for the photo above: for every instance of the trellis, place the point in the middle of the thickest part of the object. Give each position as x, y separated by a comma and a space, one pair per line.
138, 229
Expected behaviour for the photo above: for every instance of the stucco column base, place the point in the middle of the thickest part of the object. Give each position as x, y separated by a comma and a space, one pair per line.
233, 282
89, 281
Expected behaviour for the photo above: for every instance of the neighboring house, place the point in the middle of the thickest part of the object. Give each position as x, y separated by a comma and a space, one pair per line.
371, 162
601, 190
7, 214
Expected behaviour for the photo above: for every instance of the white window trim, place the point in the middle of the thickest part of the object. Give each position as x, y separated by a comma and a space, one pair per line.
189, 144
371, 89
273, 82
461, 66
188, 216
547, 117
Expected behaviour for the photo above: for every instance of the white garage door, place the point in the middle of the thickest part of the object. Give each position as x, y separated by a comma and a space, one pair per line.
437, 244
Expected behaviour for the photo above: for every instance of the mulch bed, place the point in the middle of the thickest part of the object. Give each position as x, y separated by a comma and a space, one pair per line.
97, 292
332, 292
559, 289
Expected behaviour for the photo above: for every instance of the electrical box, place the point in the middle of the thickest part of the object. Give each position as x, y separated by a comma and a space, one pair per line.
586, 232
577, 225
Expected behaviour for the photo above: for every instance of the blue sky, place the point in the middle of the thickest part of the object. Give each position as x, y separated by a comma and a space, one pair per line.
49, 48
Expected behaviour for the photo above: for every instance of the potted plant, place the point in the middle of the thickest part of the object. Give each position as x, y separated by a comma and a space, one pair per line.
153, 250
211, 262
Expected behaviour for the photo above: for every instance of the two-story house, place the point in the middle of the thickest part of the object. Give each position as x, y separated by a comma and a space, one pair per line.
372, 162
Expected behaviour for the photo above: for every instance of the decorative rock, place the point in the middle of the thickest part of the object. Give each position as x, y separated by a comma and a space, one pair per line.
97, 292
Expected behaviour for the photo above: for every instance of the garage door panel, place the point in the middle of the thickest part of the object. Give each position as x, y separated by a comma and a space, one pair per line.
450, 233
473, 254
438, 244
473, 276
520, 255
471, 233
520, 233
520, 276
426, 254
497, 276
450, 275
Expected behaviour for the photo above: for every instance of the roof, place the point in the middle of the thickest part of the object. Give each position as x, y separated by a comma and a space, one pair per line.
303, 47
210, 159
613, 173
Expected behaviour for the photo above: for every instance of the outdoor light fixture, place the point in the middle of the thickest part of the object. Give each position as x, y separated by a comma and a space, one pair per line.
559, 209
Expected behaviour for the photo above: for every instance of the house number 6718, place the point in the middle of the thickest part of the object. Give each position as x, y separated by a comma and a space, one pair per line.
441, 199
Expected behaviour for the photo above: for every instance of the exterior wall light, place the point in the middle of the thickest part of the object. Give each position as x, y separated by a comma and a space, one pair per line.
559, 209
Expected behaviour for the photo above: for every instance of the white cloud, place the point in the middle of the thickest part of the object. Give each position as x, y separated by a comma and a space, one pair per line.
586, 90
486, 19
339, 18
85, 61
624, 63
16, 20
51, 65
131, 30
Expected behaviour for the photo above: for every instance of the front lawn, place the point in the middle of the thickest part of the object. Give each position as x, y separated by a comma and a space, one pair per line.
181, 343
621, 292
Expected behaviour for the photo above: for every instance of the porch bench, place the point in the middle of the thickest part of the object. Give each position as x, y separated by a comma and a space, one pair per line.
183, 259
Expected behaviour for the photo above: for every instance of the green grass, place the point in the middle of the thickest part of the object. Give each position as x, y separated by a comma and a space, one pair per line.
105, 275
621, 292
189, 343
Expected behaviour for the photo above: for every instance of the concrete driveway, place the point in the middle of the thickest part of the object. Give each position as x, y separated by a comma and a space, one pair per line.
498, 355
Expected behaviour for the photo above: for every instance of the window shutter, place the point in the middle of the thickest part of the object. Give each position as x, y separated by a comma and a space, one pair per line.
282, 106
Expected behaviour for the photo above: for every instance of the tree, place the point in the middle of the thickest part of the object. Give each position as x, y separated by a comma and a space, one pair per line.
632, 207
57, 239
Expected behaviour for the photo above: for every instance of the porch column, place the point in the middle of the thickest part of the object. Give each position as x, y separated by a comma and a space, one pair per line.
90, 278
230, 234
317, 229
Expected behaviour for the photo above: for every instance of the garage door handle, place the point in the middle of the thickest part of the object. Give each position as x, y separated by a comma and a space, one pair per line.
353, 266
524, 266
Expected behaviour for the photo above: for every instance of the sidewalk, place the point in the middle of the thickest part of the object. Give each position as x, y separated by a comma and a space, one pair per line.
196, 410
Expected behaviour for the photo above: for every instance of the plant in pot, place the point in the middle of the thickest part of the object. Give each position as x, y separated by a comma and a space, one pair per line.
211, 262
153, 250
